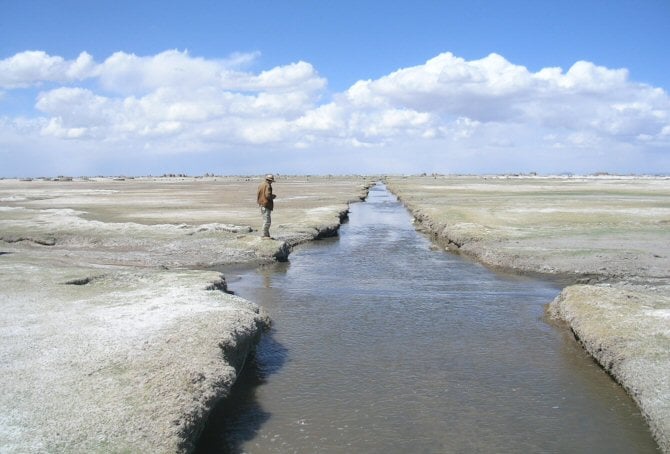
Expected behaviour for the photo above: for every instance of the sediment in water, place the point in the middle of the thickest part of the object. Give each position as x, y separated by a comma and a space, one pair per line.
608, 233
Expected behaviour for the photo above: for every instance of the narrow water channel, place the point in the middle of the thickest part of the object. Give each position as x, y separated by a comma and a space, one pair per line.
383, 344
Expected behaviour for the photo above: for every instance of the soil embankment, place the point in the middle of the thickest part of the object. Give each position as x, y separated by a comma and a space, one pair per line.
115, 337
607, 238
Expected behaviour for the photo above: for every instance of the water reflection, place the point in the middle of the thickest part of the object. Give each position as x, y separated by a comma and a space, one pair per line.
238, 419
382, 344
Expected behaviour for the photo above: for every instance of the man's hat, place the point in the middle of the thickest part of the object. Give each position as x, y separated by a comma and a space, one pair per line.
270, 177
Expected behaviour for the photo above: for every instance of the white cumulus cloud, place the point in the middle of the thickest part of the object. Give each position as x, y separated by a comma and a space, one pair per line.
173, 101
34, 67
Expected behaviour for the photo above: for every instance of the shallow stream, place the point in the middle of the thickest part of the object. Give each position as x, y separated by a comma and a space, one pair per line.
383, 343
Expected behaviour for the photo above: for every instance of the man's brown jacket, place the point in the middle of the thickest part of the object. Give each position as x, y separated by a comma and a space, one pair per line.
265, 197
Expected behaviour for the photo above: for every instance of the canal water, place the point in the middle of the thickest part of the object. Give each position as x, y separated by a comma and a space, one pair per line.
382, 343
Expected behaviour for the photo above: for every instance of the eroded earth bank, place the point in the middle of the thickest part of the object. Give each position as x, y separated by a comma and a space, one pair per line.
115, 336
607, 237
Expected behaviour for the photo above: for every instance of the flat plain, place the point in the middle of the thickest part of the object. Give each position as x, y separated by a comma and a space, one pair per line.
116, 333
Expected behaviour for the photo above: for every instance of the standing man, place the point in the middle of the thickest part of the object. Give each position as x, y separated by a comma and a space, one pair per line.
266, 201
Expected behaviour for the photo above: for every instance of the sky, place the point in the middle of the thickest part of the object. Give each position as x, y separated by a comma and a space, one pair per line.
340, 87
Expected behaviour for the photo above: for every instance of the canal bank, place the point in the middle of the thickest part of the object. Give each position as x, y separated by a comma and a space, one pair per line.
607, 234
382, 343
115, 336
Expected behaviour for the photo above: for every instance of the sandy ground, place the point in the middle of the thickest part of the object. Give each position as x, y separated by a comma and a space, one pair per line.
115, 337
606, 238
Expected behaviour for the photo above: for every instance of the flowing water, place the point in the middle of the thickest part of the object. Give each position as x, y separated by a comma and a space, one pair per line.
383, 344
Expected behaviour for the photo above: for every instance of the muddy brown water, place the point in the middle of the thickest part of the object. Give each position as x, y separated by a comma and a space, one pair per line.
381, 343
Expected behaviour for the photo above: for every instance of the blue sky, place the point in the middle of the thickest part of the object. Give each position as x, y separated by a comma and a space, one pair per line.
130, 87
